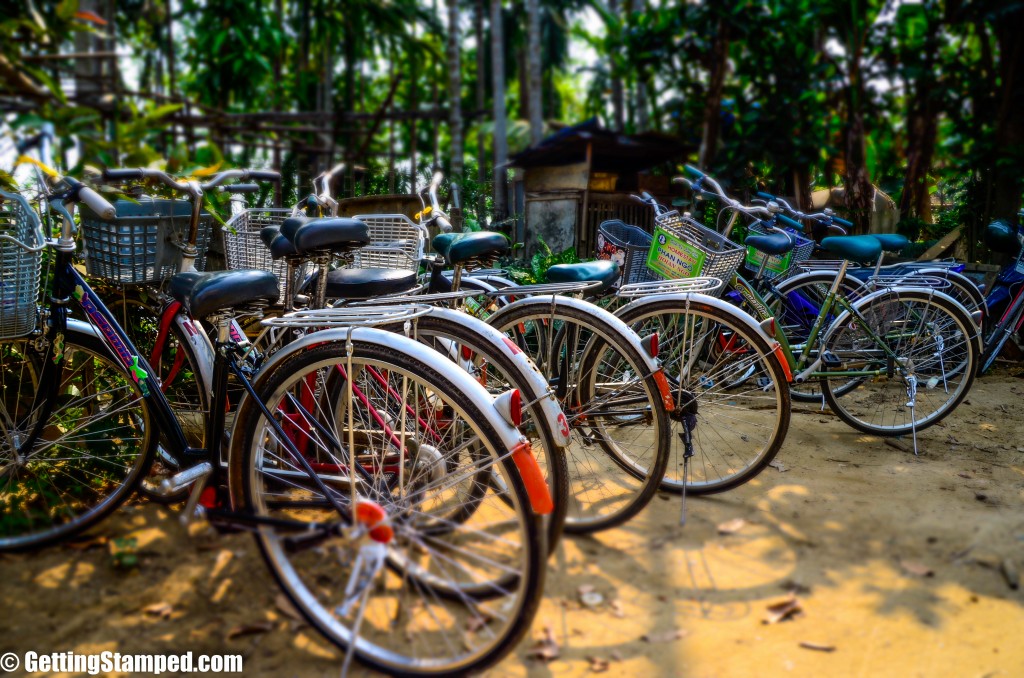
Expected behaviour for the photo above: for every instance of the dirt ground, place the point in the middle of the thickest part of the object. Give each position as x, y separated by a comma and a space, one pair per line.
880, 563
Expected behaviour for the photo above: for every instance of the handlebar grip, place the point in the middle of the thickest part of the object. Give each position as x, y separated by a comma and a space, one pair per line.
842, 222
123, 174
792, 223
241, 188
97, 203
765, 196
264, 175
646, 196
693, 171
443, 224
435, 181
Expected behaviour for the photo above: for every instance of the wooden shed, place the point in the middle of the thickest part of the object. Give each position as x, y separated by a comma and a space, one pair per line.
582, 175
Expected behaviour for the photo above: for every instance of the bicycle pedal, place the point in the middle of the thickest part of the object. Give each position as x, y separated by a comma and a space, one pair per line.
830, 360
182, 479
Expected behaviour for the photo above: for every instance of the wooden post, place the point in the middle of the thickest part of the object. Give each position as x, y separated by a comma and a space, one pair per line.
582, 239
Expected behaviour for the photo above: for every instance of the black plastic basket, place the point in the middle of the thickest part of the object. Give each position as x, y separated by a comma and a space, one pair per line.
143, 243
628, 246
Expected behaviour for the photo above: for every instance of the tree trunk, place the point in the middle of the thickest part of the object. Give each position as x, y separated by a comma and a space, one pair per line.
642, 114
718, 64
500, 115
481, 101
860, 194
455, 112
1009, 129
921, 128
533, 64
618, 100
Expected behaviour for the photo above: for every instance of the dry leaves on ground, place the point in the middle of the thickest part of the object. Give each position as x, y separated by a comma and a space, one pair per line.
732, 526
783, 610
546, 649
162, 610
250, 629
665, 636
917, 569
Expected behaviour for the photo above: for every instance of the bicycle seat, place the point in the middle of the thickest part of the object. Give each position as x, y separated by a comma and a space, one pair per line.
364, 283
606, 272
862, 249
278, 245
462, 248
771, 244
204, 294
335, 234
892, 242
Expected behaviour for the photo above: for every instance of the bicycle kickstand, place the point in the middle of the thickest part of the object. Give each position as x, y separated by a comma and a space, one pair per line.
911, 403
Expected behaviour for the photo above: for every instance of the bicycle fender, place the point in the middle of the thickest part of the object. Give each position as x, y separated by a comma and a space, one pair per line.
546, 303
844, 317
462, 381
201, 347
548, 404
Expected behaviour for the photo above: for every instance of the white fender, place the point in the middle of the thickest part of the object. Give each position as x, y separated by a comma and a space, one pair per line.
462, 381
738, 314
544, 302
844, 317
202, 349
549, 406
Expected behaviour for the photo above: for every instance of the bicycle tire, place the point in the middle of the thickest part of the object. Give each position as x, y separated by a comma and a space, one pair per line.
1000, 334
940, 329
249, 466
613, 483
744, 372
99, 427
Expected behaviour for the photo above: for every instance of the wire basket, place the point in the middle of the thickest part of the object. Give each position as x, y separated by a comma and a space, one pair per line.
627, 246
244, 248
396, 242
143, 243
683, 248
19, 268
778, 264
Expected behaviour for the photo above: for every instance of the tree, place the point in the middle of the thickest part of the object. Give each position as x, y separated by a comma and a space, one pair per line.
533, 63
500, 115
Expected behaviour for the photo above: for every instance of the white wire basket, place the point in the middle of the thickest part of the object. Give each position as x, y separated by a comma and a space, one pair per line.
396, 242
243, 246
19, 267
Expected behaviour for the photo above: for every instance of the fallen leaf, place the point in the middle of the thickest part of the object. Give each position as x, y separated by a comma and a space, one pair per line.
665, 636
584, 589
1010, 574
616, 656
286, 608
250, 629
817, 646
965, 475
617, 610
916, 569
783, 610
223, 558
86, 544
732, 526
162, 610
546, 649
598, 665
778, 466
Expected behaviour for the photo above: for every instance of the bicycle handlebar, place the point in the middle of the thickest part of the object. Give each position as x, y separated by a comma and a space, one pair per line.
694, 172
792, 223
137, 174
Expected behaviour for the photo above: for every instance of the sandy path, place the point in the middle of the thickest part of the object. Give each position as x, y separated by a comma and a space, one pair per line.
895, 562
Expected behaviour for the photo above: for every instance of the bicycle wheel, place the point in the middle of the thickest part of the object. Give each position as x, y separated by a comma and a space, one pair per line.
1000, 334
465, 570
180, 379
619, 425
95, 444
933, 342
796, 303
497, 373
730, 390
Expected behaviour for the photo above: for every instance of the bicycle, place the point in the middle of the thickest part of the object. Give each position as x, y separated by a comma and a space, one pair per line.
392, 513
1006, 298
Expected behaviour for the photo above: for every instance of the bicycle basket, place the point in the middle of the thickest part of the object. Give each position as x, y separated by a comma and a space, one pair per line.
684, 248
777, 264
244, 248
143, 243
19, 268
396, 242
627, 246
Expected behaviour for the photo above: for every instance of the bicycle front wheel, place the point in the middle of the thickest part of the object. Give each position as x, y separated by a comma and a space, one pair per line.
94, 445
464, 572
918, 351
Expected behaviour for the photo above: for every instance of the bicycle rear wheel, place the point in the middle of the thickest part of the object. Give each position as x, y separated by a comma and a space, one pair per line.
619, 425
933, 342
465, 570
95, 444
731, 394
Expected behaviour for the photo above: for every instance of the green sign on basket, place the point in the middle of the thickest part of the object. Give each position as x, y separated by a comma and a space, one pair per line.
776, 264
672, 258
